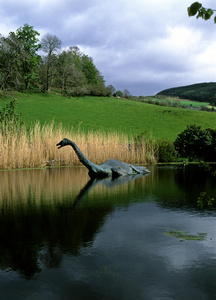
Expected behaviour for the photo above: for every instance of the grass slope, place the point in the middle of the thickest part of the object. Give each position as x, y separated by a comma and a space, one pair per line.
110, 114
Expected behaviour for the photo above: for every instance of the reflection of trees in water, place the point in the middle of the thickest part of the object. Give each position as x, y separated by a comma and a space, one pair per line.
195, 177
24, 235
179, 186
46, 213
50, 218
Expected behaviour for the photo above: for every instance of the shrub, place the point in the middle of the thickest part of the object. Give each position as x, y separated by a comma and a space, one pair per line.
119, 94
165, 150
197, 143
98, 90
9, 120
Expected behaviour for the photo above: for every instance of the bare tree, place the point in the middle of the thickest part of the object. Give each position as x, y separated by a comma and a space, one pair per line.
49, 44
127, 94
111, 89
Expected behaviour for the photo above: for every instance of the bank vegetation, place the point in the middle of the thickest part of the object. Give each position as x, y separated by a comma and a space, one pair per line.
36, 147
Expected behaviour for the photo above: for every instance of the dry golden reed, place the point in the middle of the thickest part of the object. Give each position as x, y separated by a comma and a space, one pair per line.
37, 147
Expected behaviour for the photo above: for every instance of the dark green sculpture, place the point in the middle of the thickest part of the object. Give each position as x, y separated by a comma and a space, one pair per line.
111, 168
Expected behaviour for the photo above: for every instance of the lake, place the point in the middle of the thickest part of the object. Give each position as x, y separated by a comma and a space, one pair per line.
64, 236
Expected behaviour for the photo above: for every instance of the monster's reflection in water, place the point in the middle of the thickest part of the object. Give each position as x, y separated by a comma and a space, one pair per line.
44, 214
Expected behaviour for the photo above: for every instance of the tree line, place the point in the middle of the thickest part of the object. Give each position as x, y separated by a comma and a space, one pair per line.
204, 92
27, 63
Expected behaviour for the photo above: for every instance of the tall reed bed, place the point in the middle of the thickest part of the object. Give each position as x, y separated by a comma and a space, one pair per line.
37, 147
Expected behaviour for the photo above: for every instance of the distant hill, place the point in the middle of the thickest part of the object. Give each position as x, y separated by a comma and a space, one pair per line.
205, 92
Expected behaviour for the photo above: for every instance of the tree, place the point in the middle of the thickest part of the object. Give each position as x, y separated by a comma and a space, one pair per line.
197, 9
49, 44
89, 69
76, 74
127, 94
71, 71
69, 76
10, 52
119, 94
30, 61
111, 89
197, 143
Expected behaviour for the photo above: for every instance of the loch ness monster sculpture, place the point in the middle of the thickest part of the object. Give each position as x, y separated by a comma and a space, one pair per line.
111, 168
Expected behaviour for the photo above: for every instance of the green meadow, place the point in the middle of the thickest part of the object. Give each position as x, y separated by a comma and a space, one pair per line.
108, 115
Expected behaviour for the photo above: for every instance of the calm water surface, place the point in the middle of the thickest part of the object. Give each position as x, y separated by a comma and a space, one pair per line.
63, 236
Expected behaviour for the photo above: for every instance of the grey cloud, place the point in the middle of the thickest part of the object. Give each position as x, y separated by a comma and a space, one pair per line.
128, 40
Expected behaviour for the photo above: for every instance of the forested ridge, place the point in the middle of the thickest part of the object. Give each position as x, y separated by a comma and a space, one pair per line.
30, 63
204, 92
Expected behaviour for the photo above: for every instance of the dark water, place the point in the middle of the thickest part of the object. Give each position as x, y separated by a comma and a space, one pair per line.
65, 237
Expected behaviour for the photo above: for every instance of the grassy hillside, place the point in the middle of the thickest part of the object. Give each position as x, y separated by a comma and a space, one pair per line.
205, 92
109, 115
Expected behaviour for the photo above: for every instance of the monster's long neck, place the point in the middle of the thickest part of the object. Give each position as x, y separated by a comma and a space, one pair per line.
89, 165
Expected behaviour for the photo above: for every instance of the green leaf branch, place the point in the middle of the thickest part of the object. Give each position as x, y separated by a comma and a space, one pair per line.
197, 9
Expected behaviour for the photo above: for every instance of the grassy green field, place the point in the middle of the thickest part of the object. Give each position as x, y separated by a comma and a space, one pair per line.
109, 114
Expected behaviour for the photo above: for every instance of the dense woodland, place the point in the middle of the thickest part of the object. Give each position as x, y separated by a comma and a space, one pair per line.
204, 92
27, 63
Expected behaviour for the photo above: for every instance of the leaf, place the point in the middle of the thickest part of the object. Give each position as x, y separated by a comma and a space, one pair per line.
201, 13
208, 14
194, 8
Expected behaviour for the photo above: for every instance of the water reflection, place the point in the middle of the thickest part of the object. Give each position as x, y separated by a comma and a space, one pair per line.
178, 186
72, 237
43, 209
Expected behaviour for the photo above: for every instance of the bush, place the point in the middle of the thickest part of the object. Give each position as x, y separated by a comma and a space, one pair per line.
9, 120
196, 143
98, 90
76, 92
119, 94
165, 150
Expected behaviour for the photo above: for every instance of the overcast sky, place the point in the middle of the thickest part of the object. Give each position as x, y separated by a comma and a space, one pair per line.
143, 46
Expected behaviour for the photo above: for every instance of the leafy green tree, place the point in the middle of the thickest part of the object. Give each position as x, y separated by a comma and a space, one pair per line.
197, 9
89, 69
29, 61
76, 54
77, 75
10, 49
69, 76
119, 94
71, 71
